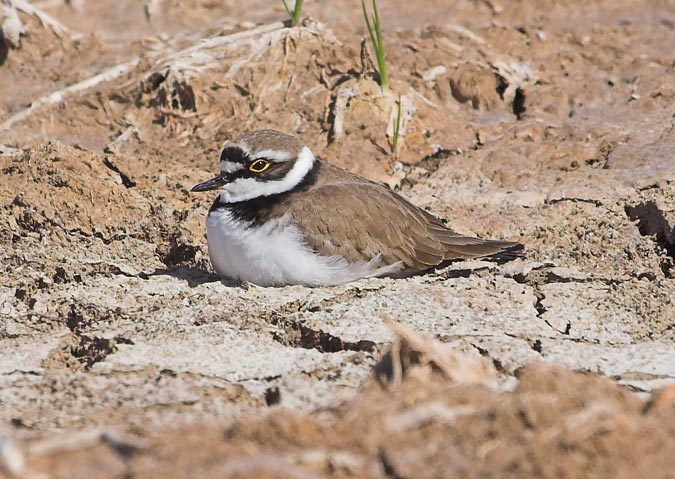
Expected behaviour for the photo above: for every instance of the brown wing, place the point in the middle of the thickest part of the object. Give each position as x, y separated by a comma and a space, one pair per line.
368, 219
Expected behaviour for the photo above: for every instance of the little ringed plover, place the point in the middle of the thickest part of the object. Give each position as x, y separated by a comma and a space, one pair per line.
282, 217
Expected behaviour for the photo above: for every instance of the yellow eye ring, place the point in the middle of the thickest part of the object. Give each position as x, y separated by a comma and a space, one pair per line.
258, 166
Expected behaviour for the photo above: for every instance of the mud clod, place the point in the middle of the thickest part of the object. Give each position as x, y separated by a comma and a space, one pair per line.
272, 396
653, 222
180, 252
91, 350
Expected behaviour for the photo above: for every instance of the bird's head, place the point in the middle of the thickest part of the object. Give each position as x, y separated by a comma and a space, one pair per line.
260, 163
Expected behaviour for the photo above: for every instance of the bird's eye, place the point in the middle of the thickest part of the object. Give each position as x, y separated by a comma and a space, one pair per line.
258, 166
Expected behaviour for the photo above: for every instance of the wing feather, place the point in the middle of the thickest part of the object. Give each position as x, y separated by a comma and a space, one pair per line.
359, 220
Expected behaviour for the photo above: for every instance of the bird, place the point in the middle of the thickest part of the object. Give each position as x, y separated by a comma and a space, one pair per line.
285, 217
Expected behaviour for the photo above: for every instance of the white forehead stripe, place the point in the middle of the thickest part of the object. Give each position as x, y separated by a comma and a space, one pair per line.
230, 166
272, 155
244, 189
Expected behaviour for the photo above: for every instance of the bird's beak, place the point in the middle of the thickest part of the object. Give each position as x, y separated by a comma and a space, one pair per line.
211, 184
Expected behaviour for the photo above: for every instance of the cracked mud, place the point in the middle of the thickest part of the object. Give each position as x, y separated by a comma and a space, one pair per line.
544, 122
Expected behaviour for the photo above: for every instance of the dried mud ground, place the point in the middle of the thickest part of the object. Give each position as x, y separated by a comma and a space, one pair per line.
552, 123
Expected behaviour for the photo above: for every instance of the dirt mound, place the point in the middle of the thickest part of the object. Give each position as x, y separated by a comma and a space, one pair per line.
439, 415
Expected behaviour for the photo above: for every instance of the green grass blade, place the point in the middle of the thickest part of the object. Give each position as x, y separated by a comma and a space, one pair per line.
397, 126
370, 29
294, 14
296, 11
288, 10
376, 40
381, 61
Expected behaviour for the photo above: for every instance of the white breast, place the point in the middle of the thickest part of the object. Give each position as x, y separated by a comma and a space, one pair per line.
275, 254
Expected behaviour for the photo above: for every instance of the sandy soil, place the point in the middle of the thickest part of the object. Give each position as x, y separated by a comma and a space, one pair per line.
552, 123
